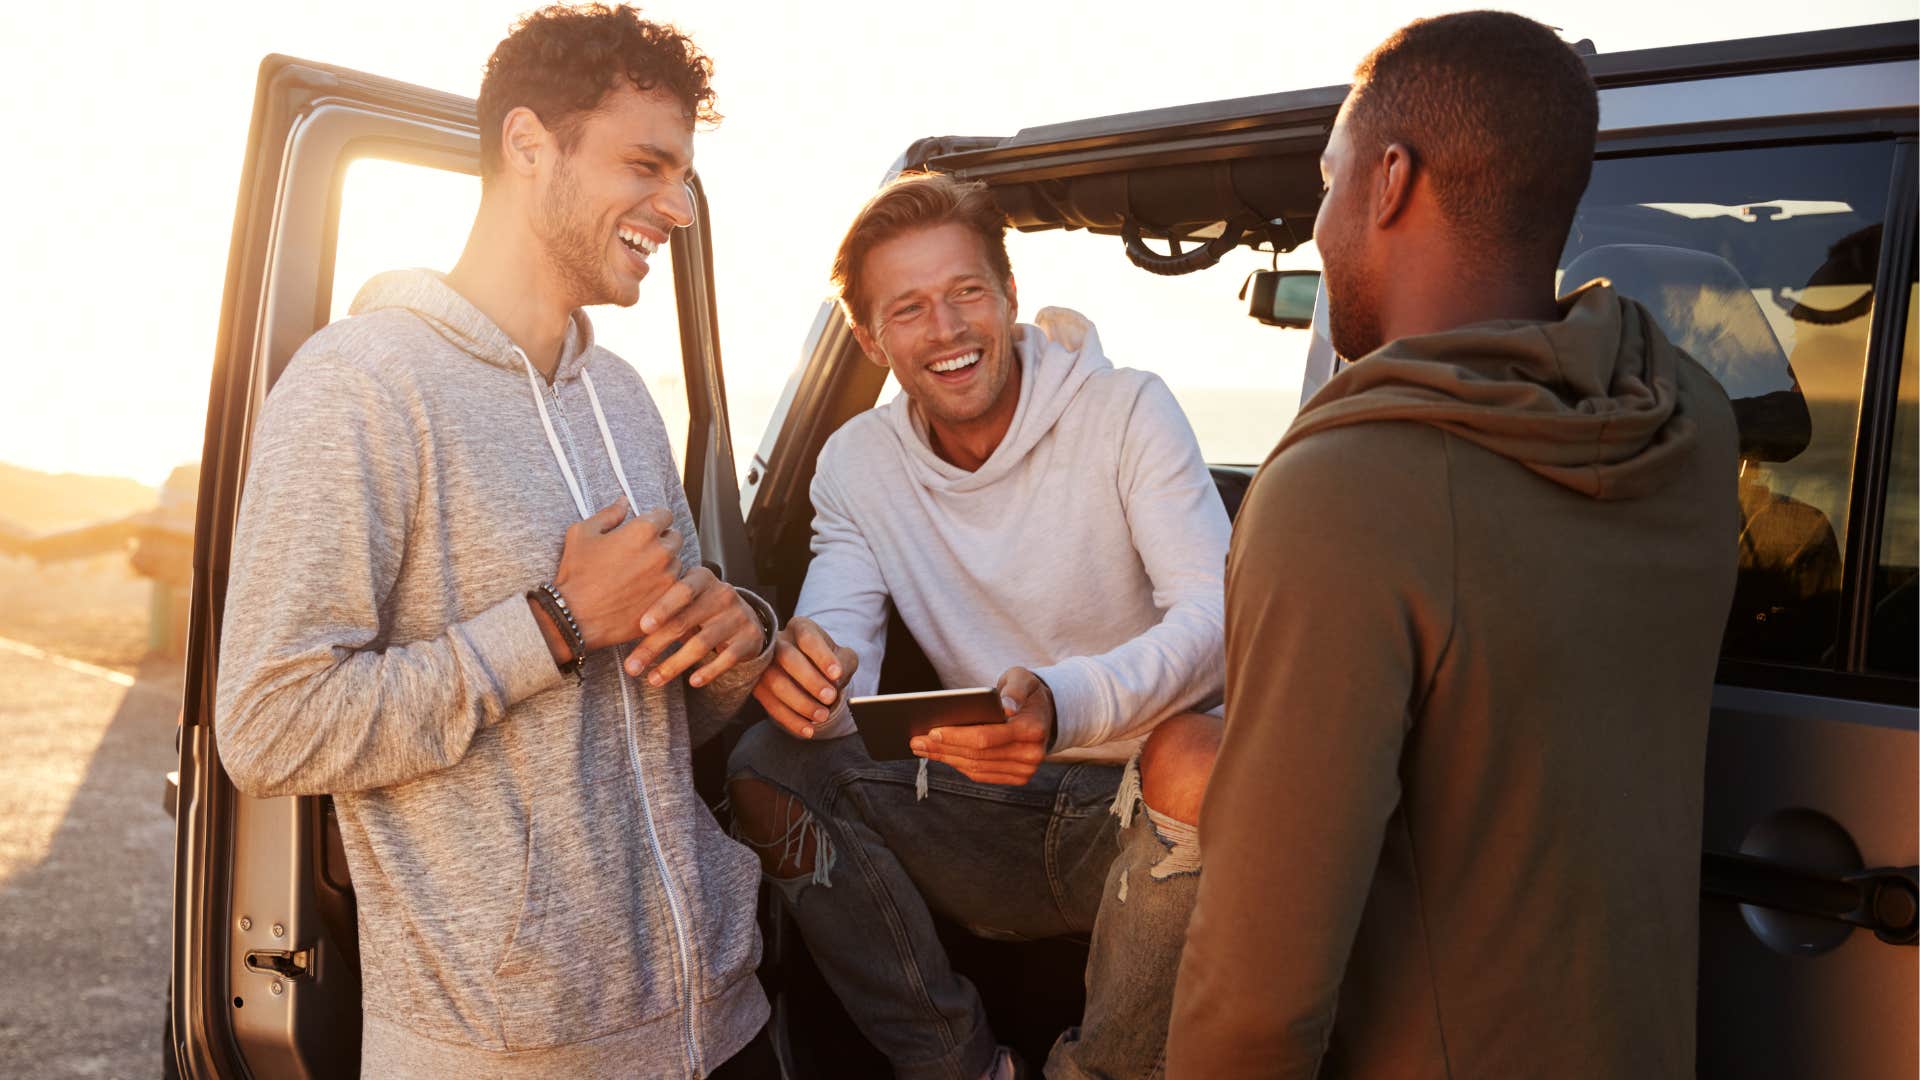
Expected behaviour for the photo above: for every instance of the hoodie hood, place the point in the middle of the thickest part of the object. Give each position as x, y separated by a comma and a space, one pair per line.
1595, 402
426, 294
1057, 353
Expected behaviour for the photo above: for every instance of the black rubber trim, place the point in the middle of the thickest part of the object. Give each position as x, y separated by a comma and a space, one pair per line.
1880, 395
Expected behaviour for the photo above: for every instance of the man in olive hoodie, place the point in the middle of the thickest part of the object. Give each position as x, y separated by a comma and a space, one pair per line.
1474, 601
541, 892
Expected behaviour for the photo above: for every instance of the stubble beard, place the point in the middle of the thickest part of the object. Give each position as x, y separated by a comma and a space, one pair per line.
936, 404
567, 237
1353, 315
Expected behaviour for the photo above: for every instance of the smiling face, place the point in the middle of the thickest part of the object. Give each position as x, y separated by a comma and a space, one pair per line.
603, 208
943, 321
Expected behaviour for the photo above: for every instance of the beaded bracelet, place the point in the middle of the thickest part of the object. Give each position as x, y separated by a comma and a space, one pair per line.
555, 606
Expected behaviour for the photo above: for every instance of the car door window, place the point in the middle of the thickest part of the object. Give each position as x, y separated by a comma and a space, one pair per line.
396, 215
1799, 227
1892, 642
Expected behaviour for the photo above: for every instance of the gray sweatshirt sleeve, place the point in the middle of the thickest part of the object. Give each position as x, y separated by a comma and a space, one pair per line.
1179, 528
312, 695
844, 592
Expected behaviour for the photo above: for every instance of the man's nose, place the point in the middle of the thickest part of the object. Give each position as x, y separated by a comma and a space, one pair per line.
677, 204
947, 322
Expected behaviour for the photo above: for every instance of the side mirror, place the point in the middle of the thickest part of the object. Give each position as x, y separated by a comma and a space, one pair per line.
1282, 297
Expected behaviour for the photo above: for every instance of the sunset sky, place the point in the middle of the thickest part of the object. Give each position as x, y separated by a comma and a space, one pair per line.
129, 122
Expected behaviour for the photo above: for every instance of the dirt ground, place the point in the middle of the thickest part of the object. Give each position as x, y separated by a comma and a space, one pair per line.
89, 609
85, 847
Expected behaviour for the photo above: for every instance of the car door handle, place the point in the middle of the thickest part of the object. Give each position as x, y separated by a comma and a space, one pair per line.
1885, 901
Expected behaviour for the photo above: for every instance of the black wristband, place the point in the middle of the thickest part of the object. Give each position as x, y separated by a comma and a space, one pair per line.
767, 629
555, 606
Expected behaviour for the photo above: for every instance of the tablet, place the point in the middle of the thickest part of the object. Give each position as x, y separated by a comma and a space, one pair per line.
888, 721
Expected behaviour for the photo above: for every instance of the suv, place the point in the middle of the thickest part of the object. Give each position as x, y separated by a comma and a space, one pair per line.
1759, 195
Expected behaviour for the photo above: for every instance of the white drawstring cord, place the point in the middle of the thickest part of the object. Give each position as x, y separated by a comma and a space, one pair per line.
560, 456
606, 439
553, 440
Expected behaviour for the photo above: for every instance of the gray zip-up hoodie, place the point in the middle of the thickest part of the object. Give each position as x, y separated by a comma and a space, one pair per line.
540, 890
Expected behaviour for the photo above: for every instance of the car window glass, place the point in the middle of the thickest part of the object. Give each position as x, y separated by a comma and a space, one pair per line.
394, 215
1761, 262
1892, 642
1237, 380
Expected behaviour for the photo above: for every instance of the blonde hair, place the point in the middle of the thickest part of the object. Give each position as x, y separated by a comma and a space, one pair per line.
917, 200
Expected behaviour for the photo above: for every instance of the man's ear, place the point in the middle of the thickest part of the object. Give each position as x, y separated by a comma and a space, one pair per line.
1013, 299
867, 344
523, 138
1398, 170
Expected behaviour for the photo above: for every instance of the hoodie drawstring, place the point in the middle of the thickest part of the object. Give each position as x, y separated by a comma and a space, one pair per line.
559, 455
690, 1003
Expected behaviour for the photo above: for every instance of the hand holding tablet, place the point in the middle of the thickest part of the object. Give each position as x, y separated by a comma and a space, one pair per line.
888, 723
1000, 740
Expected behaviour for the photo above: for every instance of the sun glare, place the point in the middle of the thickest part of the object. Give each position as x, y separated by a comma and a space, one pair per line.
815, 109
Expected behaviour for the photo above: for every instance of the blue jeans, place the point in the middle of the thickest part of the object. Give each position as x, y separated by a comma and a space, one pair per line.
1066, 853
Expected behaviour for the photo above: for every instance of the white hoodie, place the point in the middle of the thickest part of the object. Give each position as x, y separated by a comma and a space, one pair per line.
1090, 547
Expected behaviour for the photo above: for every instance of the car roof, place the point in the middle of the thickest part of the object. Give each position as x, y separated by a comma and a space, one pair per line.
1062, 149
1179, 171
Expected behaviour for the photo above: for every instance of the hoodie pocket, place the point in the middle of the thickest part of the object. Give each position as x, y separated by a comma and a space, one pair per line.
579, 960
730, 892
523, 936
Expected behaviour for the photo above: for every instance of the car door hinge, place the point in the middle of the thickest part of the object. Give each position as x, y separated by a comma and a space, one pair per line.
286, 963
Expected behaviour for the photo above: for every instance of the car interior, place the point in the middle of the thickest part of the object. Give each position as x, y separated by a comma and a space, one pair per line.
1781, 316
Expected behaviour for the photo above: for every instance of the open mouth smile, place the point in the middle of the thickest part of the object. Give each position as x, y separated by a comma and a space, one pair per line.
642, 243
954, 367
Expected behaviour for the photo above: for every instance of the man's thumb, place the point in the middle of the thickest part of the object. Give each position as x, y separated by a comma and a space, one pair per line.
1013, 689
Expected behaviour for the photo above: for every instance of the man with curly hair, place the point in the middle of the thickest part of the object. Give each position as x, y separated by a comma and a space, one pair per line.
467, 601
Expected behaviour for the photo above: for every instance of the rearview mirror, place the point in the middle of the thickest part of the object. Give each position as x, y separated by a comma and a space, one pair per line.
1282, 297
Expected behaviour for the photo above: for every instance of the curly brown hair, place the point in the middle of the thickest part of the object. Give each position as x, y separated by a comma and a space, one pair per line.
561, 60
917, 200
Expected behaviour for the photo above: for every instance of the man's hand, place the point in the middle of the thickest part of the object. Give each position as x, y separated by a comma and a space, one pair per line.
999, 753
621, 579
805, 679
612, 569
709, 620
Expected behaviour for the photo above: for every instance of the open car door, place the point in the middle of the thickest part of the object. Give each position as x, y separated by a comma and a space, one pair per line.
265, 977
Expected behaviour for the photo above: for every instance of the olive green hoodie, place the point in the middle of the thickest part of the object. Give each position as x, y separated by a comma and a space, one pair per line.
1474, 601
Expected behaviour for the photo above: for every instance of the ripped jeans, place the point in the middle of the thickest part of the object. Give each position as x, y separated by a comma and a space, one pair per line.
1069, 852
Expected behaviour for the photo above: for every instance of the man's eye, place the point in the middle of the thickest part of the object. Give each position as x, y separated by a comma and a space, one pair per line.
907, 312
969, 292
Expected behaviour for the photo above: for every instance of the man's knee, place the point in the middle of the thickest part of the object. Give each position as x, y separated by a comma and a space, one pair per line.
1175, 763
772, 821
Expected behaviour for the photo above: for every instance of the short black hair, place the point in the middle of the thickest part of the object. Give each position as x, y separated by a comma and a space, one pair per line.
1499, 113
561, 61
